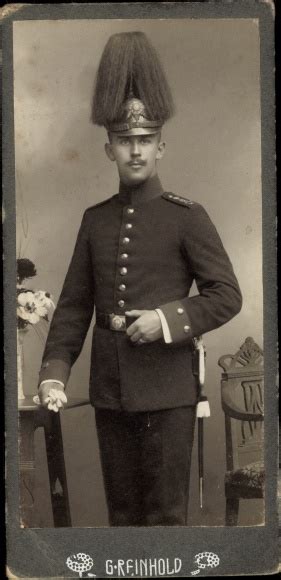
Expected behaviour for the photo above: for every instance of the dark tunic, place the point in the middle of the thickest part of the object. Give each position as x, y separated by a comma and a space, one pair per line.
164, 243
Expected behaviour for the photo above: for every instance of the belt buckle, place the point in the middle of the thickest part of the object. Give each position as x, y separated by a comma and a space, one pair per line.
117, 322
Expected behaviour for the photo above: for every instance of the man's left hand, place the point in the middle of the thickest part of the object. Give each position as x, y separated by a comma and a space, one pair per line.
147, 328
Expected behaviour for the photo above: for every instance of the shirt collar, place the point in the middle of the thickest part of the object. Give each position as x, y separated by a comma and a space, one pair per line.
140, 193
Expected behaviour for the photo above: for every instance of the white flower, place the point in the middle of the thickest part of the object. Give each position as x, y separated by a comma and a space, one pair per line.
33, 305
44, 299
31, 317
25, 297
29, 308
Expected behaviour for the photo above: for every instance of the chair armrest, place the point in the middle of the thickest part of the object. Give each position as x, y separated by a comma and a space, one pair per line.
232, 410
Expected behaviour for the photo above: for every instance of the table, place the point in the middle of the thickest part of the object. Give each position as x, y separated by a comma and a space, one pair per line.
32, 416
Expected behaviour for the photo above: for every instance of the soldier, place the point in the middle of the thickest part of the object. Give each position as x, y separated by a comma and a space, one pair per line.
134, 262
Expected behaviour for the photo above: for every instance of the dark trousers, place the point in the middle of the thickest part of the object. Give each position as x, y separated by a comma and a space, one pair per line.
146, 461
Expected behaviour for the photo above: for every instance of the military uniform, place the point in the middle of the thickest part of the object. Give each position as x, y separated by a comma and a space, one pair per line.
141, 250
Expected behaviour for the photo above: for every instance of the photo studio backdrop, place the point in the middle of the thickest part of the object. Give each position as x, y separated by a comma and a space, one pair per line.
213, 156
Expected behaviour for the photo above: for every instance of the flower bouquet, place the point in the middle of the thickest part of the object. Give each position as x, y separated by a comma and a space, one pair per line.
33, 306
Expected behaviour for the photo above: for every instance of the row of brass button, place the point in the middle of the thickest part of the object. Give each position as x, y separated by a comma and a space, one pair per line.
123, 270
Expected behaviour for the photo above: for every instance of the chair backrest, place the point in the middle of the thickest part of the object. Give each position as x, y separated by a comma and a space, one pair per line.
242, 396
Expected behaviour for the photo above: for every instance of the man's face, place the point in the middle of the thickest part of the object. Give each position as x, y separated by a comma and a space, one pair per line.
135, 156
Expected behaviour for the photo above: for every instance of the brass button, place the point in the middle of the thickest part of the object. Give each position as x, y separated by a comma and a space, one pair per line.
186, 329
122, 287
125, 240
121, 303
130, 210
128, 226
124, 256
123, 271
180, 310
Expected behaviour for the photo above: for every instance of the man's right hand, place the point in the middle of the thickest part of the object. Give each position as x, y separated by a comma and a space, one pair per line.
52, 396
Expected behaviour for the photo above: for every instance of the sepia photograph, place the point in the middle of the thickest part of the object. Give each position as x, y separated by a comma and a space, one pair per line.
138, 184
139, 278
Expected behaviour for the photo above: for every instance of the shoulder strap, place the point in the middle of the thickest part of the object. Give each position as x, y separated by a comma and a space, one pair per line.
177, 199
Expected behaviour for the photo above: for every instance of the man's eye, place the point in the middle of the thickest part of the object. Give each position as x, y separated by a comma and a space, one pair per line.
145, 140
124, 141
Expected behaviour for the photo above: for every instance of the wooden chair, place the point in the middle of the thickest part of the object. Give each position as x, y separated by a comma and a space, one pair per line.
242, 403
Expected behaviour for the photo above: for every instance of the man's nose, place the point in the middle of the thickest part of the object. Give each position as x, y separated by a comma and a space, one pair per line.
135, 149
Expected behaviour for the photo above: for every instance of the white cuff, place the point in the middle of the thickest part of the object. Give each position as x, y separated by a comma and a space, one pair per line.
165, 327
52, 381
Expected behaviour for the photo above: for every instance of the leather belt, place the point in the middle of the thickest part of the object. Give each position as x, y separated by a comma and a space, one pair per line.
116, 322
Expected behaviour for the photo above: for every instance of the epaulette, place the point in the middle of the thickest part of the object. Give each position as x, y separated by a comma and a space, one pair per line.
177, 199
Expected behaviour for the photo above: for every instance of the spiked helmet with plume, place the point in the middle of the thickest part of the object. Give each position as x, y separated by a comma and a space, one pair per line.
130, 70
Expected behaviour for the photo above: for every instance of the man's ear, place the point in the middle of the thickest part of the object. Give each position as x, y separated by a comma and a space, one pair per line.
109, 151
161, 150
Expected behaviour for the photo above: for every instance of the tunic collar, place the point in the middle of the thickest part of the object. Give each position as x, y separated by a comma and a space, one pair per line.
140, 193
